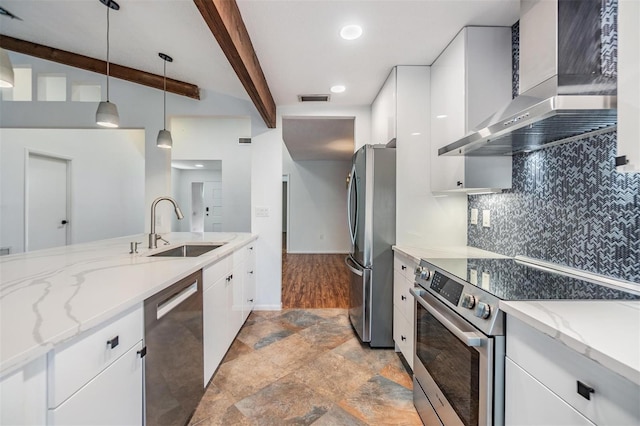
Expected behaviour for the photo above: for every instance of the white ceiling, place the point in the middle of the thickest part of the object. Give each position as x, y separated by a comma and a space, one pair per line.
319, 138
202, 164
297, 41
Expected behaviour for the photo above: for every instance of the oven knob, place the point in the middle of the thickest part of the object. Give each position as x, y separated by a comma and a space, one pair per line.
425, 273
468, 301
483, 310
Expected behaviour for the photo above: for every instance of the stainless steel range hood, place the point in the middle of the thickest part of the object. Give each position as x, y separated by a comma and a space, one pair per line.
567, 85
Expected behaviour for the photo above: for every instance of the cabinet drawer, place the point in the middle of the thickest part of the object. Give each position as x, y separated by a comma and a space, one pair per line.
114, 397
74, 363
559, 368
403, 335
401, 296
529, 403
213, 273
405, 266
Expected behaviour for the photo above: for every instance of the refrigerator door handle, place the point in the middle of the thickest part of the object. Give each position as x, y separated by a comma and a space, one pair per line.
348, 261
352, 231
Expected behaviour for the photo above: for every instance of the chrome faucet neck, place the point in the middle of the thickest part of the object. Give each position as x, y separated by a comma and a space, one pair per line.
153, 237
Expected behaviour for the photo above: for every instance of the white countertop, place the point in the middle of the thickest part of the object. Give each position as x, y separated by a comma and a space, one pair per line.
606, 331
49, 296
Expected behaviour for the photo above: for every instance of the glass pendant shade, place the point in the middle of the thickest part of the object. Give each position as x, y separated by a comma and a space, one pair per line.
164, 139
107, 115
6, 69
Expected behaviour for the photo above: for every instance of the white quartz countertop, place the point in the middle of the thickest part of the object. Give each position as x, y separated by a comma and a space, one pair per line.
608, 332
446, 253
49, 296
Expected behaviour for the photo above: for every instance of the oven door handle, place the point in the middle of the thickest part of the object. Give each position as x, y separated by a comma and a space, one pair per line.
469, 338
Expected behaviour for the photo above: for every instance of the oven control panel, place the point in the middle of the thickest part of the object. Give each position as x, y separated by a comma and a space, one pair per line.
447, 288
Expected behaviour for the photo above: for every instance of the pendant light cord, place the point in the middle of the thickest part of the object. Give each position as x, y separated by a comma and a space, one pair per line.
165, 95
108, 52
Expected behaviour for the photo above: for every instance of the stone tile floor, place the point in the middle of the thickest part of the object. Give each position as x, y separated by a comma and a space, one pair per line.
306, 367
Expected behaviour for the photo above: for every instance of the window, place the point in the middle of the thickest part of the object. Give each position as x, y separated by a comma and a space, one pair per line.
82, 92
21, 90
52, 87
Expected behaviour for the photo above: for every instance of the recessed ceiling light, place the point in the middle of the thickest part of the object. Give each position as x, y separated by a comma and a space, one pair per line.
351, 32
199, 165
338, 89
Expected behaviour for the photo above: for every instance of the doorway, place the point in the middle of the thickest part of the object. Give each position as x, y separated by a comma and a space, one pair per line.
285, 213
47, 201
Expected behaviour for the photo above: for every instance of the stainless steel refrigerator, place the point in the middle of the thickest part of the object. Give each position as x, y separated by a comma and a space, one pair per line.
371, 211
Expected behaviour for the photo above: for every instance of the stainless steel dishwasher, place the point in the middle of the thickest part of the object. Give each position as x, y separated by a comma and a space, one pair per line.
174, 363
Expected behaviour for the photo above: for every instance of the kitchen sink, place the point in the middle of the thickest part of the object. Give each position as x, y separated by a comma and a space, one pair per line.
187, 250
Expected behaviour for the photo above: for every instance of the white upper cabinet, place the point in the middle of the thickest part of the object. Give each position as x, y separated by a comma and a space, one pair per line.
383, 112
470, 80
629, 84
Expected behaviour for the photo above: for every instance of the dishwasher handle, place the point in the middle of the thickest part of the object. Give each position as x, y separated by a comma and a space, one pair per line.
166, 306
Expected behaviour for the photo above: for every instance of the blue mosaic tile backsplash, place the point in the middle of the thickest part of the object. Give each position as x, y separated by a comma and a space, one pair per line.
568, 205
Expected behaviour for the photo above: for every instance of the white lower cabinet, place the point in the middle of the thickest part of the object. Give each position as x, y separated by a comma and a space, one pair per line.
404, 306
97, 378
23, 395
228, 286
529, 403
113, 397
546, 382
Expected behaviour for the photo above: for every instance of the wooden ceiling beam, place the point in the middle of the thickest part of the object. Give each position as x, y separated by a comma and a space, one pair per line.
96, 65
226, 24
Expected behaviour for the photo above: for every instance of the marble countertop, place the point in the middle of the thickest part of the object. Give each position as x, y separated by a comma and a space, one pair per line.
606, 331
49, 296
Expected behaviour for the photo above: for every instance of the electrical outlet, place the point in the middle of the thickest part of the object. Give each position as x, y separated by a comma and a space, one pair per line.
262, 211
486, 220
473, 276
486, 281
474, 216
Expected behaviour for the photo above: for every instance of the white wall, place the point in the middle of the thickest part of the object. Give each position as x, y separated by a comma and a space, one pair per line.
107, 180
216, 138
318, 205
181, 187
422, 219
139, 107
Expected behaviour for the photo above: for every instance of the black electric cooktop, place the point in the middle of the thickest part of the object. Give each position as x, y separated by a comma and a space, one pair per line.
513, 279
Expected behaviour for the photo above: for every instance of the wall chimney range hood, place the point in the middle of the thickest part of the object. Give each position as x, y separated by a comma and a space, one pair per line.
567, 84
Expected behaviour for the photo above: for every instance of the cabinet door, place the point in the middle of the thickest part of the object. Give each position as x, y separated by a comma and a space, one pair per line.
23, 395
237, 300
249, 284
403, 335
215, 325
383, 112
447, 114
113, 397
629, 83
528, 402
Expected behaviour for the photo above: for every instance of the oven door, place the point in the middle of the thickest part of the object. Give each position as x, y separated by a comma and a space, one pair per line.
453, 366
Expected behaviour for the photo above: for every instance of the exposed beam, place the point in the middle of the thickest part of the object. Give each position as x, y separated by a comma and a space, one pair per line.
96, 65
225, 22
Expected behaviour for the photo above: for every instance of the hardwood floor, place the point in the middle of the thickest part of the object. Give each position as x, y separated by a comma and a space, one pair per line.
314, 281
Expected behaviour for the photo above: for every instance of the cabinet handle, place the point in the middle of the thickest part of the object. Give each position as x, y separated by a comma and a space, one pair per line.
585, 390
250, 300
403, 297
113, 342
403, 338
251, 272
404, 267
251, 248
142, 352
459, 183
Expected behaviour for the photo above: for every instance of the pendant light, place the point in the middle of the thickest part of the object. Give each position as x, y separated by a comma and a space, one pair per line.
6, 69
164, 136
107, 113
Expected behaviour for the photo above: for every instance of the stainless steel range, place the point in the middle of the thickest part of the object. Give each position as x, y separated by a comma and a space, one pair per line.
460, 329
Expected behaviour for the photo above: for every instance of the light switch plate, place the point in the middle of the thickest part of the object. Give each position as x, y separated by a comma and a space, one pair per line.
474, 216
262, 211
486, 220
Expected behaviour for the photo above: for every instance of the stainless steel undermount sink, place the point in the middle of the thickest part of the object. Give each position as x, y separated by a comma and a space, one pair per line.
187, 250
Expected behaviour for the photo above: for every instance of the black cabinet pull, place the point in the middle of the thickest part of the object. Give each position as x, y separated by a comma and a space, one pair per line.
585, 390
250, 300
403, 338
403, 297
404, 267
459, 183
142, 352
113, 342
64, 222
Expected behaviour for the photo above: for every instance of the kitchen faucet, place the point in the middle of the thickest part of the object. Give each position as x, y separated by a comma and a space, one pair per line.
153, 237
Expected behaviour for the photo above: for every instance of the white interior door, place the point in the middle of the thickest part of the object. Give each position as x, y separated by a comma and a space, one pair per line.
47, 202
197, 207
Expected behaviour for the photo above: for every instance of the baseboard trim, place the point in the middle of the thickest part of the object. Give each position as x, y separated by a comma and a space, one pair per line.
268, 307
